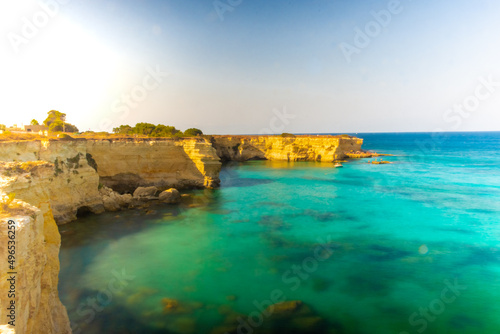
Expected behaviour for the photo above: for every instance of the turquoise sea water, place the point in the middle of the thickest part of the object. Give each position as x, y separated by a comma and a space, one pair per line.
409, 247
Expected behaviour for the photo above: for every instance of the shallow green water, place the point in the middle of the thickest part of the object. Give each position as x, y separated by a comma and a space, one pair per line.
408, 247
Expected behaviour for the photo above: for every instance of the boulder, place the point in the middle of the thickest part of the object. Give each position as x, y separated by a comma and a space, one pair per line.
125, 200
170, 196
142, 192
110, 203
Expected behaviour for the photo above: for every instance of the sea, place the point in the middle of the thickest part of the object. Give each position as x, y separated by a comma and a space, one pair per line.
401, 248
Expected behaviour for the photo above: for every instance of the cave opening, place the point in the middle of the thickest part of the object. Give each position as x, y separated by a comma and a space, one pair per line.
83, 211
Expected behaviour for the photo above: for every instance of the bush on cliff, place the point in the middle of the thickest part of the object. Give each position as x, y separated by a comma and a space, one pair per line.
193, 132
160, 130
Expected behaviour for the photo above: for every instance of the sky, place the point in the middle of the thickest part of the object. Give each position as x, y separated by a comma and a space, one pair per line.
253, 66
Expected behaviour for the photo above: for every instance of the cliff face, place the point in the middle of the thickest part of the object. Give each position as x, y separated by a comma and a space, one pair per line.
68, 182
300, 148
80, 166
38, 308
123, 165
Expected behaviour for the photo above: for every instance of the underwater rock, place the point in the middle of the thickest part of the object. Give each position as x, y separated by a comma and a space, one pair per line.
284, 308
231, 298
169, 304
183, 325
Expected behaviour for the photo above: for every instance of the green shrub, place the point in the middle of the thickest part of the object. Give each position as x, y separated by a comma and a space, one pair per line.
285, 134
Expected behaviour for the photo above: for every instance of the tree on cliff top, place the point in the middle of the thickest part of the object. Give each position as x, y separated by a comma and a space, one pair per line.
144, 128
53, 116
123, 129
56, 121
164, 131
34, 122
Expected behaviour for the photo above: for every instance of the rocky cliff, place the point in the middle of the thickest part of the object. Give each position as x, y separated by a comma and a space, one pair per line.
299, 148
123, 165
37, 241
67, 181
53, 180
81, 167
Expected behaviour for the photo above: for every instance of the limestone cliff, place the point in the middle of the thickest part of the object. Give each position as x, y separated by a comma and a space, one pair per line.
124, 165
68, 180
80, 166
38, 308
299, 148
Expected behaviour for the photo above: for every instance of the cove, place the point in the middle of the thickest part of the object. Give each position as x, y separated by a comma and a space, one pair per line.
407, 248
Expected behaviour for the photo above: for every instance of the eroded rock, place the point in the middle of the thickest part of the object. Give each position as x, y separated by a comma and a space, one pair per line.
170, 196
145, 192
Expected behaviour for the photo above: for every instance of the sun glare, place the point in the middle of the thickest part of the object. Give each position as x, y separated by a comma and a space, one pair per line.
62, 67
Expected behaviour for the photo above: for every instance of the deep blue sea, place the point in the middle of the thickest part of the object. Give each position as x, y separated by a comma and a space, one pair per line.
402, 248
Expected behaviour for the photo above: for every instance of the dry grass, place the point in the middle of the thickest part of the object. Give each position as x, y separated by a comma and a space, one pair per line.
9, 136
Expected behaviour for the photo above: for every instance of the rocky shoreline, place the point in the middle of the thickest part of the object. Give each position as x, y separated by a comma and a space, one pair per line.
45, 183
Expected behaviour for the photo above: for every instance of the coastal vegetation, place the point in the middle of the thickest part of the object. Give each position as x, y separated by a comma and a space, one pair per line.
56, 122
160, 130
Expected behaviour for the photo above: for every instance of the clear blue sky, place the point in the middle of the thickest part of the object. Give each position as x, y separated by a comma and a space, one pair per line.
234, 75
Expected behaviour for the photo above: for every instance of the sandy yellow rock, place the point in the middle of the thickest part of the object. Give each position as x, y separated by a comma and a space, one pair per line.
300, 148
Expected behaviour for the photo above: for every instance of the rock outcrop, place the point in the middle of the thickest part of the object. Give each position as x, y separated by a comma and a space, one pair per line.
114, 201
124, 165
67, 178
38, 308
299, 148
